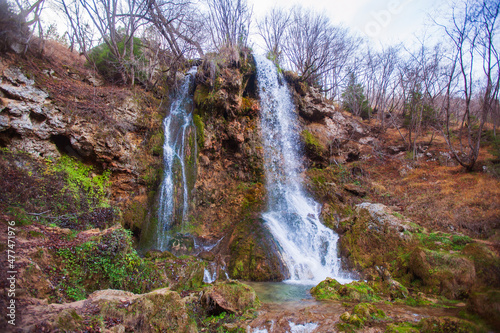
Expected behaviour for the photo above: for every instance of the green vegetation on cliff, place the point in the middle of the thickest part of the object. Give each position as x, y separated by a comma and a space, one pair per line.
65, 192
107, 262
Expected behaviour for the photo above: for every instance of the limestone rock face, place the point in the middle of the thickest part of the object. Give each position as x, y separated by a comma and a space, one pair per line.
314, 106
344, 138
30, 121
384, 217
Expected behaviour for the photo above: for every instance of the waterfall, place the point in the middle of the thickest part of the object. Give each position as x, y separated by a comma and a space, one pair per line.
177, 150
308, 248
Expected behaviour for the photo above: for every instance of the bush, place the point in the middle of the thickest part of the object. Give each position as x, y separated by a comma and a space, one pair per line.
110, 262
113, 69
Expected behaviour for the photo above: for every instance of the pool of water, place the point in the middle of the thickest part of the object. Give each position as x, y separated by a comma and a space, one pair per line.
281, 292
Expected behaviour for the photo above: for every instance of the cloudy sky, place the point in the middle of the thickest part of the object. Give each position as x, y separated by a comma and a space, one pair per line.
381, 21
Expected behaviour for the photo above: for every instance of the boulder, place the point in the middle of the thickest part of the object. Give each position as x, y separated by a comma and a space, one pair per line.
383, 217
229, 296
314, 106
451, 275
162, 310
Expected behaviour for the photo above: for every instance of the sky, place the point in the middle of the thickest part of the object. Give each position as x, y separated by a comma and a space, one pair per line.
382, 22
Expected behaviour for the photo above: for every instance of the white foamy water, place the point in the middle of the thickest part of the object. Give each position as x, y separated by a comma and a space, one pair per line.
174, 184
308, 248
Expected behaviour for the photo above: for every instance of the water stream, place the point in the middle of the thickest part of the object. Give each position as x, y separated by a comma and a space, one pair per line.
174, 190
308, 248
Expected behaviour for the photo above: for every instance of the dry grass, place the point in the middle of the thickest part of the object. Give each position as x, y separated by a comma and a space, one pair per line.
437, 196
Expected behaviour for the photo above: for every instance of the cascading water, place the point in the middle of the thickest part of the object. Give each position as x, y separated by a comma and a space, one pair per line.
308, 248
174, 189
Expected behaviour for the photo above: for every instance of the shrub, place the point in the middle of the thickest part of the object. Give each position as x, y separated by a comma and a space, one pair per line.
110, 262
112, 68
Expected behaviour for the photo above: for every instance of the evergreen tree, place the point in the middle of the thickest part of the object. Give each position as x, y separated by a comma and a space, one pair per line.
354, 100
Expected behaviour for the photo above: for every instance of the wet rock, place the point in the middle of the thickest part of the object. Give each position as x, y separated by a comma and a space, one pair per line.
156, 254
229, 296
331, 289
184, 273
253, 256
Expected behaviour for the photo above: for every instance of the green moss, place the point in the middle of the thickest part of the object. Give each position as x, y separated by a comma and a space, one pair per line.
404, 327
36, 234
237, 297
135, 214
444, 241
200, 130
312, 143
156, 142
356, 321
447, 325
367, 311
80, 177
64, 192
184, 273
331, 289
160, 311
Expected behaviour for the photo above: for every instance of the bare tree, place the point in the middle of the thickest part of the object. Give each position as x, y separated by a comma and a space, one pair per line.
79, 29
472, 33
178, 23
315, 48
229, 22
272, 28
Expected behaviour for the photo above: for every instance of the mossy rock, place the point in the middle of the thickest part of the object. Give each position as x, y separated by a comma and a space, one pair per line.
327, 290
366, 244
162, 310
367, 311
401, 328
254, 257
451, 275
345, 316
184, 273
486, 263
314, 149
447, 325
331, 289
156, 254
230, 296
487, 305
356, 321
69, 321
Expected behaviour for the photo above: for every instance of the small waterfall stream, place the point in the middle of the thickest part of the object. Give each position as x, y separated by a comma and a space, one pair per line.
308, 248
177, 151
